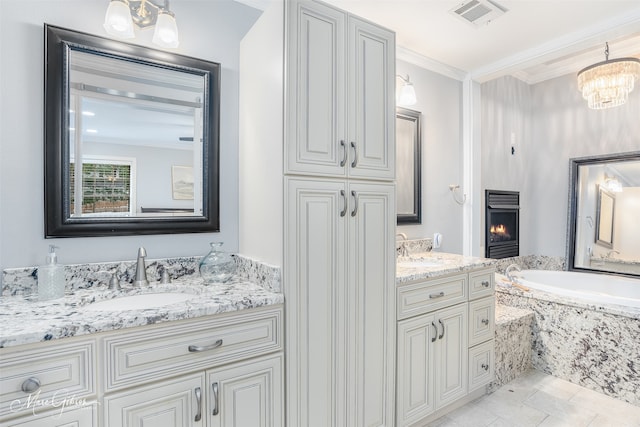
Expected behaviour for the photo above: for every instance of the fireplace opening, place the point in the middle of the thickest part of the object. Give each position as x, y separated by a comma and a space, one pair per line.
502, 219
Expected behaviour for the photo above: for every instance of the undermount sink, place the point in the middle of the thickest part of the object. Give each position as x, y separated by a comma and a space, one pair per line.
140, 302
417, 263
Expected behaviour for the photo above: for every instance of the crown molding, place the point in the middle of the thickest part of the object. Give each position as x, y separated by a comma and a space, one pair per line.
422, 61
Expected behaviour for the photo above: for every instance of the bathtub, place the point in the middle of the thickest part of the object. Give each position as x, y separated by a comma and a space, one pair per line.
586, 327
589, 287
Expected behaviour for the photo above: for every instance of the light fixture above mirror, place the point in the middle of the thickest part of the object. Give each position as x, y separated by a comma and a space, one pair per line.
407, 92
122, 14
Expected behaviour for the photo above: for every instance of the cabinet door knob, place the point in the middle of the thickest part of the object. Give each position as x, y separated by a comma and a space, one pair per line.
442, 334
435, 332
485, 322
344, 154
198, 349
485, 366
216, 409
355, 155
30, 385
198, 394
485, 283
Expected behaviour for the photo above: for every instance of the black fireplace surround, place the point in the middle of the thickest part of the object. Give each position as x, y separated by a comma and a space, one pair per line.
502, 223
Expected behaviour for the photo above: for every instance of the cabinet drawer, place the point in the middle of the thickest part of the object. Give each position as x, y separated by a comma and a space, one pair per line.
423, 297
62, 370
482, 315
152, 353
481, 284
80, 415
481, 365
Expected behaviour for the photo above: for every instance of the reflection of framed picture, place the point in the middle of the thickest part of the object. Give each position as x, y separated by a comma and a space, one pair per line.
604, 221
182, 182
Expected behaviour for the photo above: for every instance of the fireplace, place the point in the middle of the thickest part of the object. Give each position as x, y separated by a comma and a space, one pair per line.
502, 223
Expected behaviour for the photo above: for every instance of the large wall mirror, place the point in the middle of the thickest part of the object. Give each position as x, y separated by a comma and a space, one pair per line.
604, 208
408, 165
131, 138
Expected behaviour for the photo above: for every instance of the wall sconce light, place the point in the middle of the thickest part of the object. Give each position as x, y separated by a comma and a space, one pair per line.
122, 14
612, 184
407, 93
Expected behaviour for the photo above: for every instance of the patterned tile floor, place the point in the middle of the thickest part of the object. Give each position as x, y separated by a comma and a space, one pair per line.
537, 399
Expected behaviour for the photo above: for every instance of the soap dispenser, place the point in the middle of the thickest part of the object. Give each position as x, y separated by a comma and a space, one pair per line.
51, 280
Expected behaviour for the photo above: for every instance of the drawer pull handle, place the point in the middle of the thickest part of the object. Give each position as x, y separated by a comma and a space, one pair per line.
216, 410
485, 322
442, 334
485, 366
439, 295
344, 154
30, 385
485, 283
435, 335
198, 348
343, 212
198, 393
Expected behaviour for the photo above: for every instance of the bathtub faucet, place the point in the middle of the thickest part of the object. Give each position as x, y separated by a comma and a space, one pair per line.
610, 254
508, 271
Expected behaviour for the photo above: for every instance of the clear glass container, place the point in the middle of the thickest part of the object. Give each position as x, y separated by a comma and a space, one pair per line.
217, 266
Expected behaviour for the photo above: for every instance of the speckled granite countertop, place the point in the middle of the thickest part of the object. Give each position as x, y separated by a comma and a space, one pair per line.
426, 265
24, 319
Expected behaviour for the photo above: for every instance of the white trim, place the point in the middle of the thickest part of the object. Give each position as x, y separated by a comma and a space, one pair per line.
421, 61
574, 42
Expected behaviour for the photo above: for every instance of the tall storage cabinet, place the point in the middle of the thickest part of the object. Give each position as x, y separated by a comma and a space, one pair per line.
339, 252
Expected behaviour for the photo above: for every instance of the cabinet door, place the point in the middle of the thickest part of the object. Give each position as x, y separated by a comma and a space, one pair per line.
315, 283
371, 103
452, 355
171, 403
370, 302
416, 346
247, 394
317, 136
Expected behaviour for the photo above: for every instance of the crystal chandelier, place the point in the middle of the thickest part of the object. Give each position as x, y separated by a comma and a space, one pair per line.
608, 83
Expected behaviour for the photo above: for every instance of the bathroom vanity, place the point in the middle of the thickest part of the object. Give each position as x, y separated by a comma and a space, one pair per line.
445, 329
214, 360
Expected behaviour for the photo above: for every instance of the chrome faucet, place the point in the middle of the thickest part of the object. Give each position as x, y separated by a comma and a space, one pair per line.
141, 270
508, 271
404, 252
610, 254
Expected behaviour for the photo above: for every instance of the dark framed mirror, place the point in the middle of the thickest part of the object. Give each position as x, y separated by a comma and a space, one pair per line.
604, 207
131, 138
408, 166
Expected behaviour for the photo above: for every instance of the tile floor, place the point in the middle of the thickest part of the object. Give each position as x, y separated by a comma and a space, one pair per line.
537, 399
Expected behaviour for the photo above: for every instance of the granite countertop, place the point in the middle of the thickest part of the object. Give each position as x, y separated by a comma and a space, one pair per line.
24, 319
426, 265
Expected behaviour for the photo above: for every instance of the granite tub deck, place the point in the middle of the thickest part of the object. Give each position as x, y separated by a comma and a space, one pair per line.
25, 320
513, 343
594, 345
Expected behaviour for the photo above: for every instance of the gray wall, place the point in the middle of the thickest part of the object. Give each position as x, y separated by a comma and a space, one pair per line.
552, 124
210, 30
440, 102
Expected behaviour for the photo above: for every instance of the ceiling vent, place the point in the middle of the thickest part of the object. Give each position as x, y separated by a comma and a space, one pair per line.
478, 12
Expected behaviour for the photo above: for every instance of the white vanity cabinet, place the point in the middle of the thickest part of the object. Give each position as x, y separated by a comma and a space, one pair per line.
445, 344
339, 290
165, 375
342, 74
49, 384
223, 370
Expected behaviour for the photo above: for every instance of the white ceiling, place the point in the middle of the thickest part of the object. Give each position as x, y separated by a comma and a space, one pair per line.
534, 40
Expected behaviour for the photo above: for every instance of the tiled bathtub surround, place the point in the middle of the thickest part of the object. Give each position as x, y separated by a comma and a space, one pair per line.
23, 281
595, 346
512, 344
